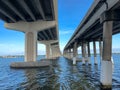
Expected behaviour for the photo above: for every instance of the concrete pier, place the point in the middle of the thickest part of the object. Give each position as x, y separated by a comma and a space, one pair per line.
48, 51
69, 53
95, 55
83, 48
100, 49
106, 65
30, 46
74, 53
88, 47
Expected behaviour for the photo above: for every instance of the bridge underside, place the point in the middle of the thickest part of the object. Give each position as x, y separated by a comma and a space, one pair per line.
36, 18
12, 11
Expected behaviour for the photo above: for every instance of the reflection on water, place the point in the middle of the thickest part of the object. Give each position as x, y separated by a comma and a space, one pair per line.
61, 76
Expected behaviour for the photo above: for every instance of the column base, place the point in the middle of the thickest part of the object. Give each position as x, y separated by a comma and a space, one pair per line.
106, 87
89, 62
74, 60
83, 60
106, 74
95, 61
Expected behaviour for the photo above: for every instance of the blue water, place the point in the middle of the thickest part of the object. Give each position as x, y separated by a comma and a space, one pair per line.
62, 76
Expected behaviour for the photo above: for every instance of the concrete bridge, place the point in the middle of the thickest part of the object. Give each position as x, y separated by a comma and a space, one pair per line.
38, 19
99, 24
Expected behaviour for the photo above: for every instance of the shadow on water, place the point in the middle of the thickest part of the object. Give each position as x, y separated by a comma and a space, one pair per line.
39, 79
61, 76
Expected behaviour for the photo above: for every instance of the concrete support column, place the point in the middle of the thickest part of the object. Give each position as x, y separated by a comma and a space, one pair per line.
64, 53
69, 53
59, 52
95, 55
56, 51
106, 65
77, 52
74, 53
83, 48
48, 51
30, 46
100, 49
88, 46
52, 52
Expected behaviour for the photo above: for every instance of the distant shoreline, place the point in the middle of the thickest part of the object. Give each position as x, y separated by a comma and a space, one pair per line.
16, 56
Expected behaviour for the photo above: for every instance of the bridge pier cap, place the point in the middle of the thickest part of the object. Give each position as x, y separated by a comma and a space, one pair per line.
30, 29
30, 26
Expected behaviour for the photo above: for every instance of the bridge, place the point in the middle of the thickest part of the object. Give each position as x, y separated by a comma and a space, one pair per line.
38, 19
98, 25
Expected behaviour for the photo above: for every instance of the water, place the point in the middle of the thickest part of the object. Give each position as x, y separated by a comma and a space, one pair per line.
63, 76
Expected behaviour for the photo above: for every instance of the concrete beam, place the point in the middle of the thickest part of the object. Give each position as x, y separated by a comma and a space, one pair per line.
38, 4
14, 9
112, 15
48, 41
41, 35
30, 26
28, 10
55, 13
51, 34
46, 35
7, 15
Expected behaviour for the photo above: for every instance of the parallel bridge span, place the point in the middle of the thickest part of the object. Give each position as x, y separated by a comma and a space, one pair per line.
99, 24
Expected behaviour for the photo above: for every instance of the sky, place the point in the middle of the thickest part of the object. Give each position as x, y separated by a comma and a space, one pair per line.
70, 14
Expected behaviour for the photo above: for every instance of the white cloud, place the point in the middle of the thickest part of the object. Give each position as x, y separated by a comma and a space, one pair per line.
64, 32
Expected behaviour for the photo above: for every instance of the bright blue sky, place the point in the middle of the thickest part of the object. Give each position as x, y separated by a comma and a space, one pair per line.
70, 13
